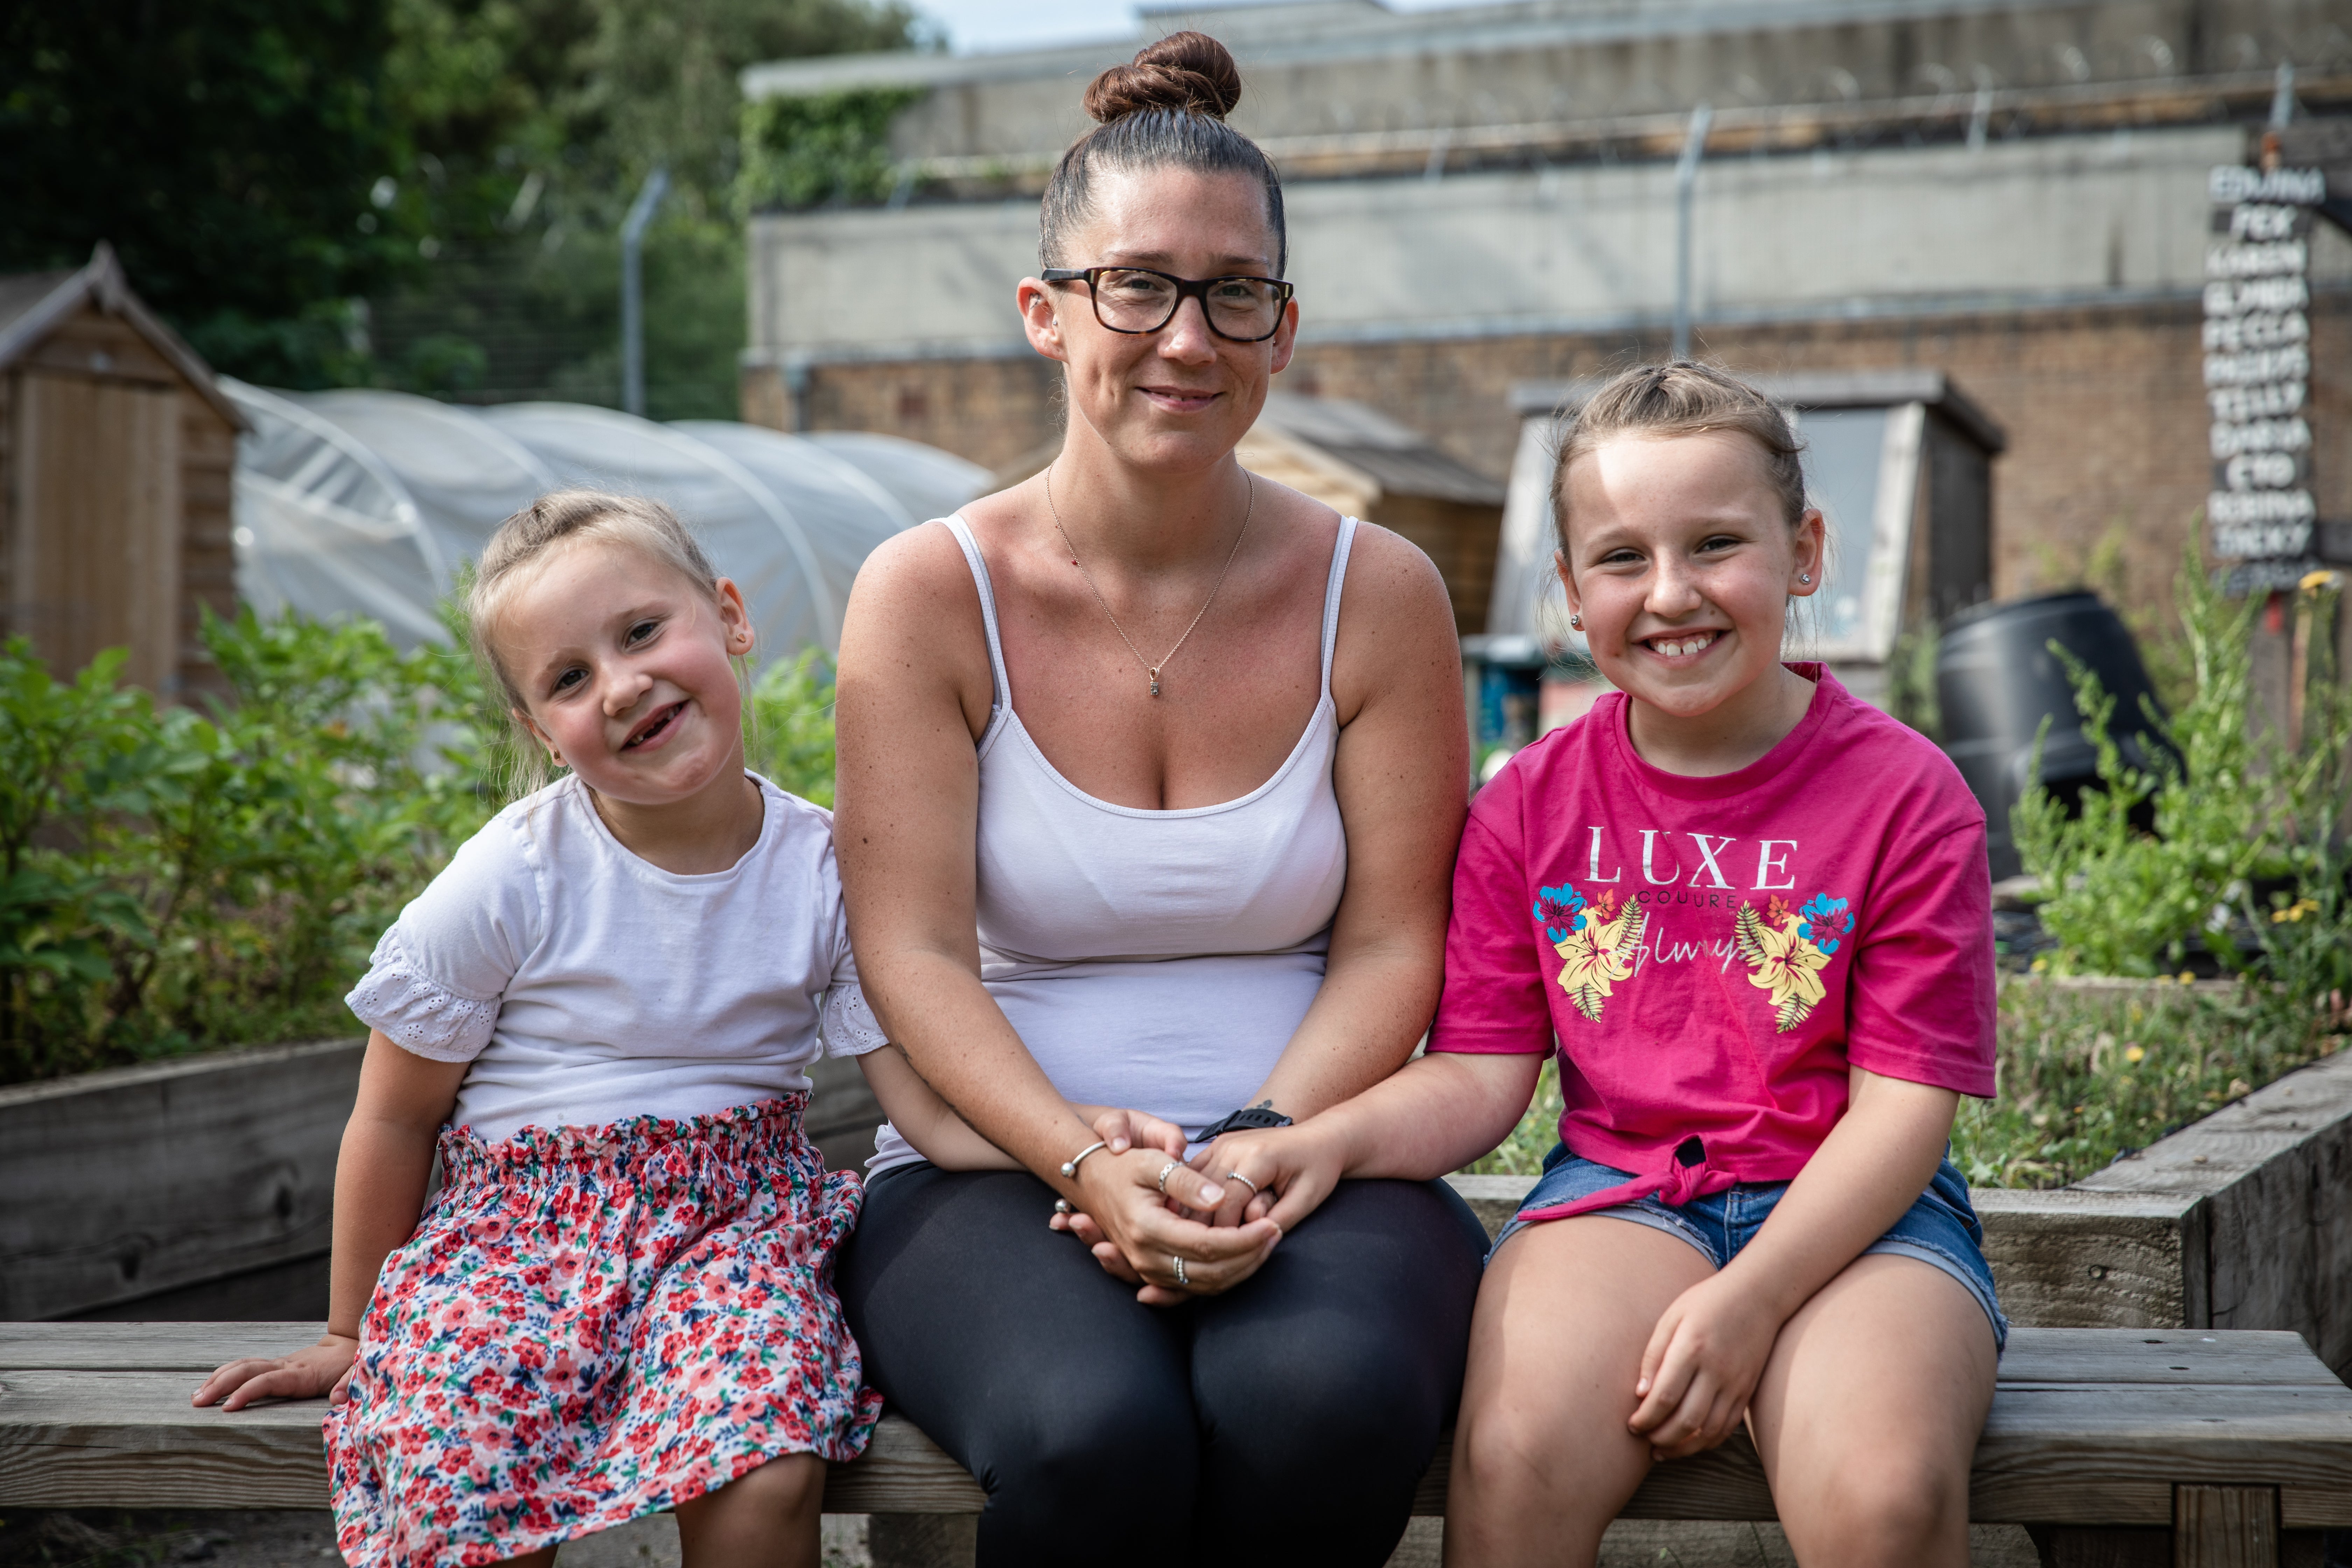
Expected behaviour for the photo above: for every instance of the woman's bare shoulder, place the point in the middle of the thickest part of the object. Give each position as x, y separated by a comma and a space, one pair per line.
1396, 621
914, 622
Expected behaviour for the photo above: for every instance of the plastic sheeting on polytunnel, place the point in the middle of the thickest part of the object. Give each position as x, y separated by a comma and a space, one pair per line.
368, 502
843, 511
927, 482
324, 526
746, 531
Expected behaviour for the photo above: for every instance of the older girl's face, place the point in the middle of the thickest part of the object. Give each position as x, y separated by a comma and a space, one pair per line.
1178, 398
1682, 563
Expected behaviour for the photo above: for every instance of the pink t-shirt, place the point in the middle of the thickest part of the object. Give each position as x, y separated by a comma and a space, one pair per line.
1712, 953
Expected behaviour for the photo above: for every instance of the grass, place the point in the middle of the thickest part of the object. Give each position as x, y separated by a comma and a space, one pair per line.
2087, 1075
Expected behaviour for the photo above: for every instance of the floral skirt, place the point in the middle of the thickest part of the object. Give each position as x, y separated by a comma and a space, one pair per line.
593, 1323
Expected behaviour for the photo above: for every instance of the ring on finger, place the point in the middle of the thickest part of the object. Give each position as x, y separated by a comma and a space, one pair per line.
1238, 1176
1164, 1171
1178, 1259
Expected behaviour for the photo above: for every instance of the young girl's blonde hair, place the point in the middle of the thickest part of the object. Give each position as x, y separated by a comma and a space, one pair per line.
1683, 397
525, 540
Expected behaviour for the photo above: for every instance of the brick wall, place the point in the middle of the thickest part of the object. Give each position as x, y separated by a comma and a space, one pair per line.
2104, 408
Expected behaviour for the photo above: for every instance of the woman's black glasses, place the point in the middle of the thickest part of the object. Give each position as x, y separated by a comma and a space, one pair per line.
1242, 308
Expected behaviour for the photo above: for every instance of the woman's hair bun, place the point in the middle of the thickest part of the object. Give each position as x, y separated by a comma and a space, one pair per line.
1187, 71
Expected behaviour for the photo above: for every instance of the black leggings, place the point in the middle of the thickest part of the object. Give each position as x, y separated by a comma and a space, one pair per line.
1284, 1422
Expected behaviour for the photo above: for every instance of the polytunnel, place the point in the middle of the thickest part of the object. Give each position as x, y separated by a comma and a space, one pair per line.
357, 502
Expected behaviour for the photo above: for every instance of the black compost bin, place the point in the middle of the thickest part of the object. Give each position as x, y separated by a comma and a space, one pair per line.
1996, 680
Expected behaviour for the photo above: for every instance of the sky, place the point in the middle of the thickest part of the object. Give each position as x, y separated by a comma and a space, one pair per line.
981, 26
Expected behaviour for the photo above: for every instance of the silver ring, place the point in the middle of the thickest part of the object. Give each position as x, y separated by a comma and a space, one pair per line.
1171, 1165
1245, 1181
1178, 1259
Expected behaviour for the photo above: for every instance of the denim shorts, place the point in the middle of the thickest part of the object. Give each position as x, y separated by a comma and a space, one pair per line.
1942, 1230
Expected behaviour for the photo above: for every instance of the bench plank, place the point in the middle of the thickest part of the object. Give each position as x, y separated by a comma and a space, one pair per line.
2090, 1427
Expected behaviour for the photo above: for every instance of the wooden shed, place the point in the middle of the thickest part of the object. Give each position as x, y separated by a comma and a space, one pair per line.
116, 451
1364, 464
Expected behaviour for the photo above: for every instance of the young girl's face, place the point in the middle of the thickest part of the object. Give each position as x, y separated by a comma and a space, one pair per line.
623, 665
1681, 563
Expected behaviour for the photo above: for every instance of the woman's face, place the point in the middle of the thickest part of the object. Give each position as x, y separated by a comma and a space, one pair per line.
1681, 563
1178, 398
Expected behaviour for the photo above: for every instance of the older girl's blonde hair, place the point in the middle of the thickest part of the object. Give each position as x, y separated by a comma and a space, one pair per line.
1682, 398
525, 541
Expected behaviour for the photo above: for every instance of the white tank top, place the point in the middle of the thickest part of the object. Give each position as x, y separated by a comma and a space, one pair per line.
1156, 959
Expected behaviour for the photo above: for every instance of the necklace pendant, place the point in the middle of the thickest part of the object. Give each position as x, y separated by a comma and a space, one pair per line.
1155, 682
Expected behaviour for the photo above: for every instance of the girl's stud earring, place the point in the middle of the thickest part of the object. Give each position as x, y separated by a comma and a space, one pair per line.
1806, 578
1576, 623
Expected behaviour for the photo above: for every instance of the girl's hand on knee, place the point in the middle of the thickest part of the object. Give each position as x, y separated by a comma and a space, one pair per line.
1700, 1368
323, 1368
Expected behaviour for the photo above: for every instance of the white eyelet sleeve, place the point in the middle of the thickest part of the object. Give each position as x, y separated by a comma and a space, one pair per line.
436, 981
848, 1024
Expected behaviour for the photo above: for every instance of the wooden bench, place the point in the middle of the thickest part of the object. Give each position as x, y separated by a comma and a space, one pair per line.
2115, 1446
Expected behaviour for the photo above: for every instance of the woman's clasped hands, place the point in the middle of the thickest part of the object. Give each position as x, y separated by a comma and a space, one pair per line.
1221, 1213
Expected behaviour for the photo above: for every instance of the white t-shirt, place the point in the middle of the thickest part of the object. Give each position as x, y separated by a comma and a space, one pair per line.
587, 986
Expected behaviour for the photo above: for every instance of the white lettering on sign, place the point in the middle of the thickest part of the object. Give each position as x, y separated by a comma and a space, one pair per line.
2256, 260
2255, 401
2251, 369
2224, 507
2230, 184
2256, 330
2254, 542
2261, 470
2245, 294
2253, 221
2259, 435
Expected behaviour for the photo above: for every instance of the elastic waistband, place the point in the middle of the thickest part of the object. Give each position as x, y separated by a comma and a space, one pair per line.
637, 1149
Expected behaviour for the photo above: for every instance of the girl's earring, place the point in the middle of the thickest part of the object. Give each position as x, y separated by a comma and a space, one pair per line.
1806, 578
1576, 623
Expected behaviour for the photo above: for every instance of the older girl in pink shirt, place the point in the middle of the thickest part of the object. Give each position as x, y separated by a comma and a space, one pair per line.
1754, 914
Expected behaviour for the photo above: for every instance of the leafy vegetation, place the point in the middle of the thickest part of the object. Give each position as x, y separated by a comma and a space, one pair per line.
419, 193
171, 881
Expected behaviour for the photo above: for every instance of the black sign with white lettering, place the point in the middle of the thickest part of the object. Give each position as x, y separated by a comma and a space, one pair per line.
2257, 343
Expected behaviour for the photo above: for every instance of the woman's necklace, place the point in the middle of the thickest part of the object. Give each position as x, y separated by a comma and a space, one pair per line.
1151, 670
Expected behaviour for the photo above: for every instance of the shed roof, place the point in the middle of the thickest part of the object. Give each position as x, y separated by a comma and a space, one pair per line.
33, 303
1397, 459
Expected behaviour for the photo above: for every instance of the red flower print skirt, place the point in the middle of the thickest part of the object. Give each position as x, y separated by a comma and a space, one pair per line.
593, 1323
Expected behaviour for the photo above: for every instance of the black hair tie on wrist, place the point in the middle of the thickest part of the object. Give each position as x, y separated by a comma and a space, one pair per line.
1248, 1118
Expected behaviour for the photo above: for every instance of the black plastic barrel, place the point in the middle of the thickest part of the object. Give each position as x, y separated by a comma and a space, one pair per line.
1996, 680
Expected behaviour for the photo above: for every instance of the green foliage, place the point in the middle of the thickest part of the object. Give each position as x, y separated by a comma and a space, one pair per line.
788, 726
1911, 682
802, 152
2089, 1075
225, 150
263, 166
2235, 810
174, 879
1522, 1153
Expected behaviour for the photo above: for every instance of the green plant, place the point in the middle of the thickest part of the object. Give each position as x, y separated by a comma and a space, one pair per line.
788, 725
1522, 1153
2089, 1074
836, 146
2121, 899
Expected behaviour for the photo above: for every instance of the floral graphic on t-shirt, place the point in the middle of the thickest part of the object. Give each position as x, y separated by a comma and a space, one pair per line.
1597, 942
1787, 949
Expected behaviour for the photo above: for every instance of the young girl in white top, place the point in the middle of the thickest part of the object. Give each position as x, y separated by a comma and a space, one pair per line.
621, 1301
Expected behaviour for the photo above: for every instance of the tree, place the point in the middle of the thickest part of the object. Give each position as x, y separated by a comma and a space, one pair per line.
262, 164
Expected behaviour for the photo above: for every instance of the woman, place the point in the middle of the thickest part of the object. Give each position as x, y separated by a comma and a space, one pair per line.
1186, 750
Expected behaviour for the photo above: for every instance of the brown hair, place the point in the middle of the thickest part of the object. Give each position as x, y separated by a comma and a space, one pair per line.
1165, 110
526, 541
1681, 398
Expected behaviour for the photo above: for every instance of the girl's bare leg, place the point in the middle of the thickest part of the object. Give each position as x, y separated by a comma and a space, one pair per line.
766, 1518
1867, 1417
1542, 1458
